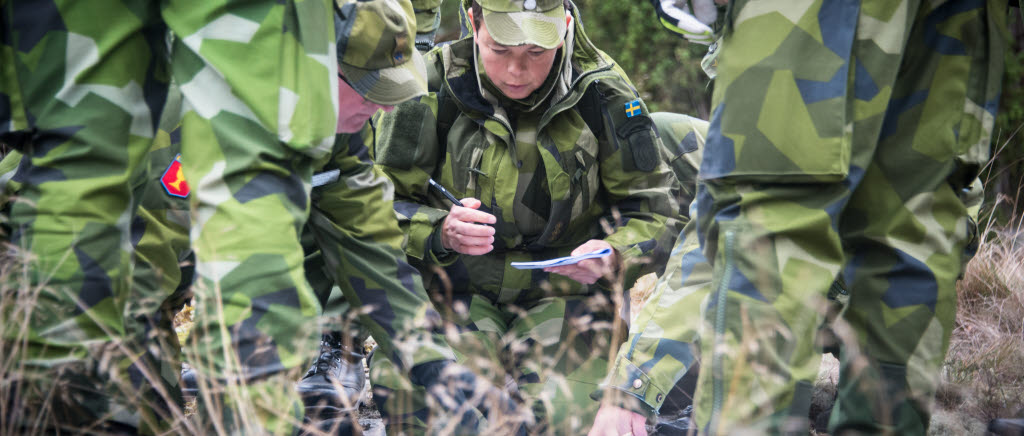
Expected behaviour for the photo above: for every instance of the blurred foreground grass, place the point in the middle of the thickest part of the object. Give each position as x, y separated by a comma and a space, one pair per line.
983, 376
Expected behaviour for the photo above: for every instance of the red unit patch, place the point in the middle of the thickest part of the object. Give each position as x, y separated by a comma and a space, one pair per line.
173, 179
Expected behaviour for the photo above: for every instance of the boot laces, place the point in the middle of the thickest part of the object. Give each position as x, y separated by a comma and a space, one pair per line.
329, 359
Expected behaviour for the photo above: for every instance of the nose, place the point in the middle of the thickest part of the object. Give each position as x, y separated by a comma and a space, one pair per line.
516, 66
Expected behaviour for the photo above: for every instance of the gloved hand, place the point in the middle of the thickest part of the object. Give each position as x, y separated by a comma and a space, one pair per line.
690, 19
466, 398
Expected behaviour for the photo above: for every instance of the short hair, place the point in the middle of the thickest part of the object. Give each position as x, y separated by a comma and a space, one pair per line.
478, 12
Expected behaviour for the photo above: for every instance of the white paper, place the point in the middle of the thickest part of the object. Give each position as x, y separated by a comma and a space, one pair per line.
561, 260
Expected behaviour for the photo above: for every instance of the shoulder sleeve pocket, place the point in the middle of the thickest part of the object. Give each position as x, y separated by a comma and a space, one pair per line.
637, 136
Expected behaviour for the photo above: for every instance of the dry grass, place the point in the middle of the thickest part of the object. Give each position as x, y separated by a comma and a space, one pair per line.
984, 377
640, 292
984, 374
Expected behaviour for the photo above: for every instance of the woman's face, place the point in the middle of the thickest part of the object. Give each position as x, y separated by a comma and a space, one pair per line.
517, 71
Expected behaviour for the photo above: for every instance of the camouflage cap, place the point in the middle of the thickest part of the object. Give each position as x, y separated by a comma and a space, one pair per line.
518, 22
376, 51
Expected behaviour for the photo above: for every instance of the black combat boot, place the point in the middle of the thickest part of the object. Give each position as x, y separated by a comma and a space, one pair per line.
334, 384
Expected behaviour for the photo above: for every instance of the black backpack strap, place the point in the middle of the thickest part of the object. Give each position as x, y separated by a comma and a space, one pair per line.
590, 108
446, 112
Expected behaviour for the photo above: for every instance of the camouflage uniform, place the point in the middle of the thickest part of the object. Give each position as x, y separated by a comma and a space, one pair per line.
656, 367
550, 177
258, 81
161, 276
335, 305
659, 360
848, 167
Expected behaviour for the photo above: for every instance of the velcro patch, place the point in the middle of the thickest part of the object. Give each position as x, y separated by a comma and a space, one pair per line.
402, 130
639, 136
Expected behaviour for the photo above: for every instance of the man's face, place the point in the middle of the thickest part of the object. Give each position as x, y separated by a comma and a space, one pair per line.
518, 70
354, 110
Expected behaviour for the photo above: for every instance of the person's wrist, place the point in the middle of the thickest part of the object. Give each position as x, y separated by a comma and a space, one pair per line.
437, 245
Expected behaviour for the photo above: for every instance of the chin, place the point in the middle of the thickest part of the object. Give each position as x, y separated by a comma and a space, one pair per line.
517, 95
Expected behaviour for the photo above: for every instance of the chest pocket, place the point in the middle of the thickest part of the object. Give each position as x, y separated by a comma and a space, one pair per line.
466, 145
571, 169
586, 177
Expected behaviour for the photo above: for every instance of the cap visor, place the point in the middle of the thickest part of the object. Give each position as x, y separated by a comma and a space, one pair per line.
544, 29
389, 86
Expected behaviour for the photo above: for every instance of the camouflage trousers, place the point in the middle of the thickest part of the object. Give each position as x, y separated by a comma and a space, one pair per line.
847, 166
93, 91
548, 353
337, 316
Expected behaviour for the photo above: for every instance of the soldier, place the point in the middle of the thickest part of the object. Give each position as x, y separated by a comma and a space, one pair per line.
658, 358
163, 264
847, 203
546, 142
337, 376
260, 104
280, 310
806, 197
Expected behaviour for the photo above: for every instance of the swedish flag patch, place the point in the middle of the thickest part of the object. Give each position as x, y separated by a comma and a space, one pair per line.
633, 108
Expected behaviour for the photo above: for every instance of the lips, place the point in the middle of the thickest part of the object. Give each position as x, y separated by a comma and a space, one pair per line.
514, 91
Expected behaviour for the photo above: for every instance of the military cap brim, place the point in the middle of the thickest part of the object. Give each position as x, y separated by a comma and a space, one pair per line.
541, 28
389, 86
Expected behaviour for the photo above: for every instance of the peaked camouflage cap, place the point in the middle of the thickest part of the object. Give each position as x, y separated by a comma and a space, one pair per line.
518, 22
376, 49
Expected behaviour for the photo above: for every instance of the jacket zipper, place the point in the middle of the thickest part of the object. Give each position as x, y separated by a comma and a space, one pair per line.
718, 384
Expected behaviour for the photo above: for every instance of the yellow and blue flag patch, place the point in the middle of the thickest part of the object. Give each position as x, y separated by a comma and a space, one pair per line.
633, 108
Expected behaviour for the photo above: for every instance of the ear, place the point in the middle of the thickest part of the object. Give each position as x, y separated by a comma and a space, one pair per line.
568, 25
472, 23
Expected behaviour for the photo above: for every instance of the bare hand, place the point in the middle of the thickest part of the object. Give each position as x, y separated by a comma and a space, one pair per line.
616, 421
461, 233
589, 271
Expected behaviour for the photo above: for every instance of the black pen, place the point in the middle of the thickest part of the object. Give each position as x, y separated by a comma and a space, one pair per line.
445, 192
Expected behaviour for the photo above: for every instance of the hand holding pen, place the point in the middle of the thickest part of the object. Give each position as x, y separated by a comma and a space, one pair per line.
461, 230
